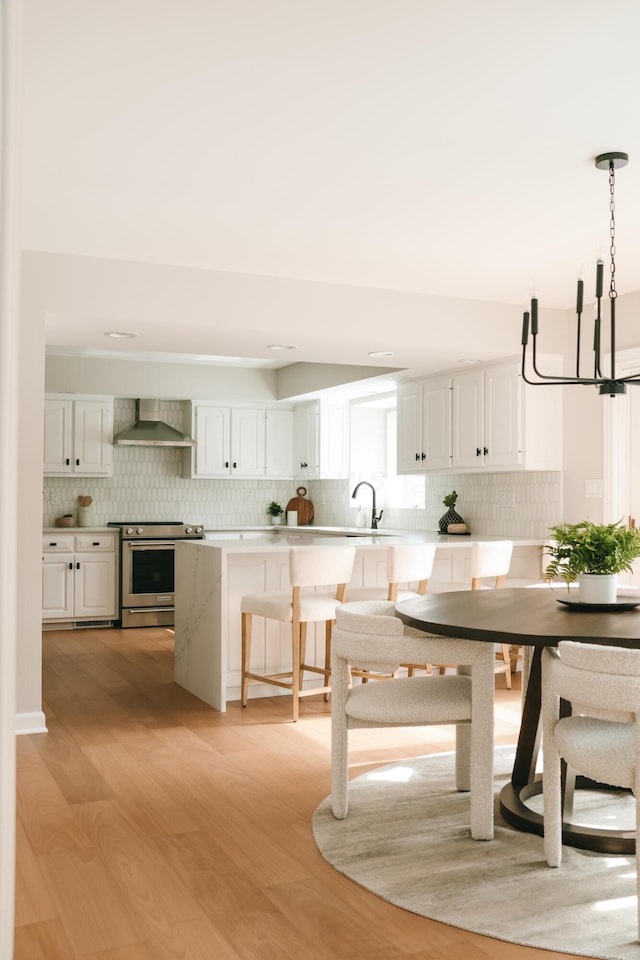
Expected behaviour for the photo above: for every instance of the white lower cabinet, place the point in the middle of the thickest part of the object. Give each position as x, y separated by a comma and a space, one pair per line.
79, 577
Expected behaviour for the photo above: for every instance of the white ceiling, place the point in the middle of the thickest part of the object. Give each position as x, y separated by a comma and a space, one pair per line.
414, 145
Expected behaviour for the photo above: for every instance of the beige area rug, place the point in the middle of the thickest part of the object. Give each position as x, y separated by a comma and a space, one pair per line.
406, 839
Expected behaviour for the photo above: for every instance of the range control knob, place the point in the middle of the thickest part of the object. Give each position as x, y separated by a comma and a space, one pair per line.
139, 530
188, 529
198, 529
129, 531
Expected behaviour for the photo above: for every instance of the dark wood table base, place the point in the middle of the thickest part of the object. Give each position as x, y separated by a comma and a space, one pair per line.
531, 618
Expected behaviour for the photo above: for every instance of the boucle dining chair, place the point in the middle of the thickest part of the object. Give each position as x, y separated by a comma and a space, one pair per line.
601, 739
490, 561
310, 568
369, 635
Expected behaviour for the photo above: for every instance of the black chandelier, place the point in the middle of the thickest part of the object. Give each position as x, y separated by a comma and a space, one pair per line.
611, 385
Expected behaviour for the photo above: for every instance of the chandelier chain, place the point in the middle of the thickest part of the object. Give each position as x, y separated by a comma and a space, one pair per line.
613, 293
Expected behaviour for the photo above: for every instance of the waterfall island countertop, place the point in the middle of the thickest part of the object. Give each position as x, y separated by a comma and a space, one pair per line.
213, 575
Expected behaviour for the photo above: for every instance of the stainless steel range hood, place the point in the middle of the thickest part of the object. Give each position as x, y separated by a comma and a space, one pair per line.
149, 431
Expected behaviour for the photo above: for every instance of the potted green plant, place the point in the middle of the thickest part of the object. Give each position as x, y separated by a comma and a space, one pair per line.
275, 511
593, 554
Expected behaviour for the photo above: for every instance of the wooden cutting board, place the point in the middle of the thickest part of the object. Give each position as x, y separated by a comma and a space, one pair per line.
303, 506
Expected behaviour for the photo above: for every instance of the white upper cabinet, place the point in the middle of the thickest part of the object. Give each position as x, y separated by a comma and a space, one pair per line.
502, 423
321, 440
424, 425
279, 444
489, 419
238, 441
78, 436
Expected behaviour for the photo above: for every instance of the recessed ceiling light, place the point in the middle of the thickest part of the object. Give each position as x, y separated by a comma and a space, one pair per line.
281, 346
120, 335
467, 361
381, 353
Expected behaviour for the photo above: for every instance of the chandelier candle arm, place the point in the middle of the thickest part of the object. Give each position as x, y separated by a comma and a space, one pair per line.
608, 386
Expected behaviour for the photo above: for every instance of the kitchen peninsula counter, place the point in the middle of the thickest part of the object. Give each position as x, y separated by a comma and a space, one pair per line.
213, 575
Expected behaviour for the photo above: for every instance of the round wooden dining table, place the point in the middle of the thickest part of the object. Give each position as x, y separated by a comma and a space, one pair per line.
534, 618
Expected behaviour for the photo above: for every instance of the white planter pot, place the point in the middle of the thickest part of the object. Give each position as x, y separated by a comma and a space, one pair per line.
276, 521
598, 587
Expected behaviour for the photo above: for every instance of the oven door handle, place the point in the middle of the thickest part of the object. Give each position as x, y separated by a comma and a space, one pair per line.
150, 544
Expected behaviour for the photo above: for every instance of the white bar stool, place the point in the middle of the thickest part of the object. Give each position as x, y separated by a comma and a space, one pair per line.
311, 566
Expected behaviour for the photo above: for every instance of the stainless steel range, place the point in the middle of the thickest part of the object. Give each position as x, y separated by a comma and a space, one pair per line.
147, 570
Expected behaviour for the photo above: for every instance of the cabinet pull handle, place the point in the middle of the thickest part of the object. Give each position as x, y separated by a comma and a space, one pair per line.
234, 465
67, 462
96, 543
424, 456
302, 465
486, 451
77, 566
226, 463
53, 543
478, 451
70, 566
77, 463
417, 456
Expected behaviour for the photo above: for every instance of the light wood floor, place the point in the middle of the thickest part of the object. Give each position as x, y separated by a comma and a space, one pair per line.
151, 827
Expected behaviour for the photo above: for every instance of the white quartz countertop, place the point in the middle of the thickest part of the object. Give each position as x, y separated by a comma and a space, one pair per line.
274, 538
47, 530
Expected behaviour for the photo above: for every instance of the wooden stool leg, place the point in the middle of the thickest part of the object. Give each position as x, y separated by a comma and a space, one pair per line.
246, 654
506, 656
298, 636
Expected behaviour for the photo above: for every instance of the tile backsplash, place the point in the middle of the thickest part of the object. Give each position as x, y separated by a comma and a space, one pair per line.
147, 484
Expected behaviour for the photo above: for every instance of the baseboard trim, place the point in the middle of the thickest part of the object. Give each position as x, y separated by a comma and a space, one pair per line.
35, 722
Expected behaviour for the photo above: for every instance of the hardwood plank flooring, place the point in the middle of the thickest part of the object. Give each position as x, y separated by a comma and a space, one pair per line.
152, 827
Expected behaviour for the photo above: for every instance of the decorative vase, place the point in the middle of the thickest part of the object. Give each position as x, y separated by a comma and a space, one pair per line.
85, 516
597, 587
449, 517
276, 521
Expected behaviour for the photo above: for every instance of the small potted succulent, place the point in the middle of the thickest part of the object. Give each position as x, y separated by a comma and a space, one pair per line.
275, 511
593, 554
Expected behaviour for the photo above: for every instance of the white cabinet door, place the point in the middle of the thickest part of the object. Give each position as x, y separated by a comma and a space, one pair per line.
279, 444
306, 431
78, 436
94, 586
436, 423
410, 452
212, 431
92, 437
58, 436
57, 586
468, 419
321, 440
503, 436
247, 442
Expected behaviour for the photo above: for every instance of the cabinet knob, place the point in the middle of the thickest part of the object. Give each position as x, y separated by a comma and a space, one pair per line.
417, 456
424, 456
486, 451
478, 452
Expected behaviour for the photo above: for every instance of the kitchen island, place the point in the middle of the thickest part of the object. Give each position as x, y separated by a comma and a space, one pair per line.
213, 575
